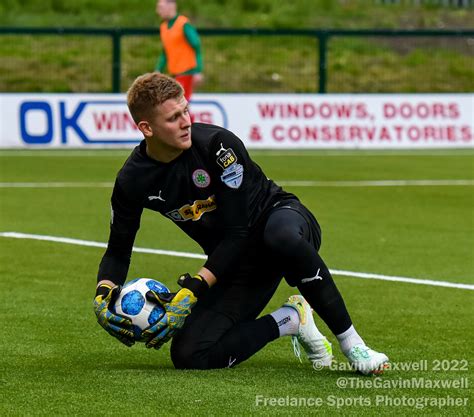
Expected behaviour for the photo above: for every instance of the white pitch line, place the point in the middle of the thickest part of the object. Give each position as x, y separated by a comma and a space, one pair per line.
56, 184
91, 243
68, 154
403, 279
322, 153
319, 153
363, 275
289, 183
377, 183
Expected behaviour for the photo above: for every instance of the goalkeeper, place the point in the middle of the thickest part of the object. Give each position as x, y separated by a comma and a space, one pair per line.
201, 177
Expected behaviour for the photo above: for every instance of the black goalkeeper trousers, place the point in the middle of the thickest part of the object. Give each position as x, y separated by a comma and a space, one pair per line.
223, 329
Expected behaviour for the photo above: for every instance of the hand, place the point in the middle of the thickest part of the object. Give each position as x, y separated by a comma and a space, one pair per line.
177, 307
117, 326
198, 79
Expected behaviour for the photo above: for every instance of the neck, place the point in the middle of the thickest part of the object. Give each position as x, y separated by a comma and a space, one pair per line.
161, 154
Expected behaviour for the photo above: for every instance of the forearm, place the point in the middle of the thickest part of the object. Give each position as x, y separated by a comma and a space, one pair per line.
199, 61
195, 42
106, 282
161, 62
208, 276
113, 269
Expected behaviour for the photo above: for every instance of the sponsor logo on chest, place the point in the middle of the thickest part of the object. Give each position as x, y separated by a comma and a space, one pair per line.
193, 211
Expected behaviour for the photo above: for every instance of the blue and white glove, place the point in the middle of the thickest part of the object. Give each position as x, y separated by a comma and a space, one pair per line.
177, 307
117, 326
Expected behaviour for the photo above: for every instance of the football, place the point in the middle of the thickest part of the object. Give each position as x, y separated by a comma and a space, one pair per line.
133, 304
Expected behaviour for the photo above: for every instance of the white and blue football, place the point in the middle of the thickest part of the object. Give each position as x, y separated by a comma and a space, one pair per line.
132, 303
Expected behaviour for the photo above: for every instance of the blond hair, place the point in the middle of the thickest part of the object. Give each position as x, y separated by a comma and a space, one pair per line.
150, 90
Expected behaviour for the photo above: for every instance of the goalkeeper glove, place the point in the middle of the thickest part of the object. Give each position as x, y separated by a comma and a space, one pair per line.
116, 325
177, 307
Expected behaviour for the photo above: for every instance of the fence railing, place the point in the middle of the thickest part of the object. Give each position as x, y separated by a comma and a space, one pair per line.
318, 49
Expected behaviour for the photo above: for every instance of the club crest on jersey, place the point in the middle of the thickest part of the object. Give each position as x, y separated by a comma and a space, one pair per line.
193, 211
233, 176
201, 178
226, 158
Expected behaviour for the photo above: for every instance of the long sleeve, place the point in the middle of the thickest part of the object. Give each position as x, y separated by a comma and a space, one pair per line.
233, 174
160, 65
124, 224
193, 39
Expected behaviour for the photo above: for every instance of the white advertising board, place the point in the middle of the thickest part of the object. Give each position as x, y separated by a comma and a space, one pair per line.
270, 121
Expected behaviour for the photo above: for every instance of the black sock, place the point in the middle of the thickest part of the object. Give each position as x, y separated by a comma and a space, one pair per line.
322, 294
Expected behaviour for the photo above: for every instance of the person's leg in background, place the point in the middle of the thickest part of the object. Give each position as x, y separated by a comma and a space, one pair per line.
187, 82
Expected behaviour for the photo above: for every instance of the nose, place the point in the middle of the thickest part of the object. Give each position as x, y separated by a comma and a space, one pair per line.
185, 120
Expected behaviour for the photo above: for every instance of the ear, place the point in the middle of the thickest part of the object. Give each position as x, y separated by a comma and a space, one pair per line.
145, 128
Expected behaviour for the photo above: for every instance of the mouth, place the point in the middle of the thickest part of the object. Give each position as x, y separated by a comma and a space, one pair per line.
186, 135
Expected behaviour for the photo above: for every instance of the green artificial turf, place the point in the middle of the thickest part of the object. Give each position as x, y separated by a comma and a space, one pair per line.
56, 360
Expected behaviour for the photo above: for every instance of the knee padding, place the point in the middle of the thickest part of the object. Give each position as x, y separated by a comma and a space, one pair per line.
280, 235
186, 356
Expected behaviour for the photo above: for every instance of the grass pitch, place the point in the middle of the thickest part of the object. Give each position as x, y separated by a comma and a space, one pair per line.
56, 360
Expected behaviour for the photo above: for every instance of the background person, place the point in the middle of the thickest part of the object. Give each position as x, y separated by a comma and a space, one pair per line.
181, 47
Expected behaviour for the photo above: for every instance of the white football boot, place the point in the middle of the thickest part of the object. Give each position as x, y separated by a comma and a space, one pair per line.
367, 361
317, 347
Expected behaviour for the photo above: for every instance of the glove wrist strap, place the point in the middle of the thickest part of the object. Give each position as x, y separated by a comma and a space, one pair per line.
196, 284
103, 289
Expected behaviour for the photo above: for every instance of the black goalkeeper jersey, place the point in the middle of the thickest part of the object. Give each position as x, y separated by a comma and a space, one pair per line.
213, 191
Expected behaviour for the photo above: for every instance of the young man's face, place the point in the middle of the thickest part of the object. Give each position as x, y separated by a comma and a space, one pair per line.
165, 9
170, 125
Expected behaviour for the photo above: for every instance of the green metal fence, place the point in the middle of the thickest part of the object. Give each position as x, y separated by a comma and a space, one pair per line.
243, 60
443, 3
